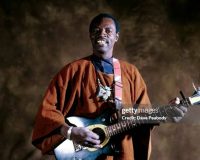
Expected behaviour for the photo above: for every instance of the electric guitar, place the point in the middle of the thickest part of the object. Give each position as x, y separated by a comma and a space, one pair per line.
70, 150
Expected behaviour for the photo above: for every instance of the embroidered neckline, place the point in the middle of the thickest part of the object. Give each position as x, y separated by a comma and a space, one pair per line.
104, 92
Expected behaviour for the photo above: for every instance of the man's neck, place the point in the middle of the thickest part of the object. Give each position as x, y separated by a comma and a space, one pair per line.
103, 55
103, 65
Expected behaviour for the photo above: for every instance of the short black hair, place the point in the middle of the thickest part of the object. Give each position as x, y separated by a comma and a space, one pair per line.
97, 19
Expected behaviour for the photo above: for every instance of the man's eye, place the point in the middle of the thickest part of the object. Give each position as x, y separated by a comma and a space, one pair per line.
109, 31
96, 30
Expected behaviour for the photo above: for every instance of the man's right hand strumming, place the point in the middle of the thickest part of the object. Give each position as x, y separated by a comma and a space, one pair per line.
81, 135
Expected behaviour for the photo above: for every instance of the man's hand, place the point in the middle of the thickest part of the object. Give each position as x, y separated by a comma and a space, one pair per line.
179, 110
82, 136
85, 137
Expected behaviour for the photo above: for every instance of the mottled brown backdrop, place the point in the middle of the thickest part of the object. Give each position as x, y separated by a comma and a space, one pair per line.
38, 37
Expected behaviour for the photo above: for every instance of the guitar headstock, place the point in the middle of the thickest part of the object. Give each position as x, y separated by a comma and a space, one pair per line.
194, 99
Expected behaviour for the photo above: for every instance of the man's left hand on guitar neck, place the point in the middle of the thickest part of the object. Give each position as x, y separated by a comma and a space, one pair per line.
179, 110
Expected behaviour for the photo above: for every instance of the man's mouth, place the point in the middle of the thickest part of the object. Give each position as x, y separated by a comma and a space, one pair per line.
101, 42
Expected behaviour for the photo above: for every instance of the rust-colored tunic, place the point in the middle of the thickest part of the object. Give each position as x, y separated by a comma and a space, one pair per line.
73, 92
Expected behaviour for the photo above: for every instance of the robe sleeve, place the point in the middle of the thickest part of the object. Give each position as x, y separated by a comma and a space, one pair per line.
141, 135
140, 89
46, 133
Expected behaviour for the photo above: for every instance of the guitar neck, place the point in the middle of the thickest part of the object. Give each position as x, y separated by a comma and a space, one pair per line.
163, 112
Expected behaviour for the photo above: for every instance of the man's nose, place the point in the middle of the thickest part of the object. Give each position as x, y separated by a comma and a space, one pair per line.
102, 32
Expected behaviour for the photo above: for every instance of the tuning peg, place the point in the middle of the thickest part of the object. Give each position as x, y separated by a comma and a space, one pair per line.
182, 95
195, 98
195, 87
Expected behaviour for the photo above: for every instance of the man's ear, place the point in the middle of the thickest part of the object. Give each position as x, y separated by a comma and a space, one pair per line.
117, 37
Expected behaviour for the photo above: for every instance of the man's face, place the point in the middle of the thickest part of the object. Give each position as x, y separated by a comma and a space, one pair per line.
103, 37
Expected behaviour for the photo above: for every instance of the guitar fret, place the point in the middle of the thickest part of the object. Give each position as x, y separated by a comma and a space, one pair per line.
125, 124
113, 129
116, 130
107, 131
121, 129
110, 130
122, 126
118, 127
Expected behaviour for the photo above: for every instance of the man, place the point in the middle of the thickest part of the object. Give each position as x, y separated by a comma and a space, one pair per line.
74, 91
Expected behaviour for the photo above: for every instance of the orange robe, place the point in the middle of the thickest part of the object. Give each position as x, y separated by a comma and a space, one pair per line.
73, 92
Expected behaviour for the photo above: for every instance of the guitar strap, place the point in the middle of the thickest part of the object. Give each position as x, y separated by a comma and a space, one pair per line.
117, 97
117, 84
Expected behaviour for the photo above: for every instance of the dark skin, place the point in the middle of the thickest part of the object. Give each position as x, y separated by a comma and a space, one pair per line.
103, 38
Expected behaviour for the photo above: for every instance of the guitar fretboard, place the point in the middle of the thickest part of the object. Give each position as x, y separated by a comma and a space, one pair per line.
145, 118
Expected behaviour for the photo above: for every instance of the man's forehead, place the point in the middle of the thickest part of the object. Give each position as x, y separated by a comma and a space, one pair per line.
105, 19
105, 22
